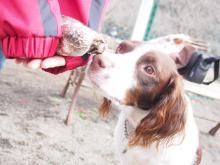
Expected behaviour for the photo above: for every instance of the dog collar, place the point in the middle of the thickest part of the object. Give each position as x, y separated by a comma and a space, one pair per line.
128, 129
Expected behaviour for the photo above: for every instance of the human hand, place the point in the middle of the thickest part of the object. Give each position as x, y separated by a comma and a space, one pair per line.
51, 62
56, 64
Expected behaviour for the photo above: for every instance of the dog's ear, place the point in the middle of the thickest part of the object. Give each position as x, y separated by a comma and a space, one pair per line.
182, 58
105, 107
127, 46
166, 119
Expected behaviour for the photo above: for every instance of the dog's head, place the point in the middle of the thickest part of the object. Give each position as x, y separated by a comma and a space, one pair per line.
146, 78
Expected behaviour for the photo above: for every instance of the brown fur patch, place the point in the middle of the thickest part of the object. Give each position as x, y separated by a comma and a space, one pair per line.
166, 118
127, 46
105, 107
198, 155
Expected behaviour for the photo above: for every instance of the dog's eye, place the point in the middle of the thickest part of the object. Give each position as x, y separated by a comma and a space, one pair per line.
149, 70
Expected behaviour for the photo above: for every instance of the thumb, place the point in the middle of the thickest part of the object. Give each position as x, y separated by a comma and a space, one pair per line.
52, 62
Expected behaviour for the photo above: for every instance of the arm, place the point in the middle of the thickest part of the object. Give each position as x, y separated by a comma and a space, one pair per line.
31, 29
90, 13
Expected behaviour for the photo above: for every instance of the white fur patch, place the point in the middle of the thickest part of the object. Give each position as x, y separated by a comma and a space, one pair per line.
180, 153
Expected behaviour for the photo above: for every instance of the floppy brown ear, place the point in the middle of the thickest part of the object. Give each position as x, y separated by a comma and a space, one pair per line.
181, 59
127, 46
105, 107
166, 119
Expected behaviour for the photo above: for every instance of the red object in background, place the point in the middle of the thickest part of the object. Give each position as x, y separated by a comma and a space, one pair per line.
31, 29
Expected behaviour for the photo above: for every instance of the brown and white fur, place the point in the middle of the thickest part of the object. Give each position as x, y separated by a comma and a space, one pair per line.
142, 79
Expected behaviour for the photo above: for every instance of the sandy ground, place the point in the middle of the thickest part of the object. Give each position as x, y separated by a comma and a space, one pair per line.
32, 129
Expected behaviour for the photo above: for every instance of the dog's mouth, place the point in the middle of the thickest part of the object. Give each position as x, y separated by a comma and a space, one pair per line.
95, 78
97, 81
94, 83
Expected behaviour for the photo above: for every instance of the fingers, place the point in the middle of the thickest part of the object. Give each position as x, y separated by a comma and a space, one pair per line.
19, 61
33, 64
52, 62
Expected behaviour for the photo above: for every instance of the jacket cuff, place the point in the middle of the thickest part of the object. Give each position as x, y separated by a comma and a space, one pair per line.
29, 47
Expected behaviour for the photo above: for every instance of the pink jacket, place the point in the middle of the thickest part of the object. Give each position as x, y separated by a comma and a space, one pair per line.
31, 28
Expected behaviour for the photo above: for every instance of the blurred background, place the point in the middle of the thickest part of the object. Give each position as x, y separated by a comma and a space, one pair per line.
32, 112
199, 19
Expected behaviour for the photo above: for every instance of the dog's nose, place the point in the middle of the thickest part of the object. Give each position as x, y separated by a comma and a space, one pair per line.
101, 62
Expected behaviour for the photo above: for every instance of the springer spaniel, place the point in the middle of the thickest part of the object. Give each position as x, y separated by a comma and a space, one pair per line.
156, 124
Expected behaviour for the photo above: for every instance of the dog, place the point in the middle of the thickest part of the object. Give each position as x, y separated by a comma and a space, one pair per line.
156, 124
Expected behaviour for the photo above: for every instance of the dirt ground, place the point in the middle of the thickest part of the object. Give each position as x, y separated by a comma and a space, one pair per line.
32, 129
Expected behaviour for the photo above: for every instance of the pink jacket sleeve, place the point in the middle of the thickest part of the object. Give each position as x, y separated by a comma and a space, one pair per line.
29, 29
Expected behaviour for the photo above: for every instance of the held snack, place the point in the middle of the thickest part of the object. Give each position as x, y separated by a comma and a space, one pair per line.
77, 39
78, 42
